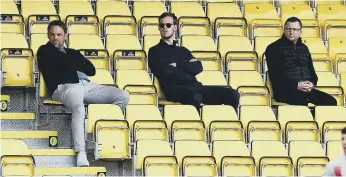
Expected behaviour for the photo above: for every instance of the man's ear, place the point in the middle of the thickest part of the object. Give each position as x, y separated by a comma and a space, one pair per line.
175, 27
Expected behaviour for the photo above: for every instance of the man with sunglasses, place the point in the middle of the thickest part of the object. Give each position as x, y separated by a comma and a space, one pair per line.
175, 68
291, 70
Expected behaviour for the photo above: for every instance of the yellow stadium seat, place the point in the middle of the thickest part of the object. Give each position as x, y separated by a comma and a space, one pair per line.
332, 19
262, 19
327, 82
237, 53
330, 126
103, 77
273, 161
141, 89
155, 158
308, 157
222, 123
149, 41
336, 49
146, 14
11, 20
212, 78
37, 17
322, 62
343, 80
260, 123
315, 44
233, 158
226, 19
195, 158
184, 123
251, 86
297, 123
146, 122
191, 18
16, 159
160, 94
126, 52
334, 149
36, 40
106, 121
204, 49
18, 65
79, 17
115, 17
261, 43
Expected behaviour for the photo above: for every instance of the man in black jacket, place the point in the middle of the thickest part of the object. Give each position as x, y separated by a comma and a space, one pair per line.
65, 72
291, 70
176, 68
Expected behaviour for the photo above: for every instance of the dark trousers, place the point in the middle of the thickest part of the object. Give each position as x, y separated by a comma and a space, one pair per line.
316, 97
209, 95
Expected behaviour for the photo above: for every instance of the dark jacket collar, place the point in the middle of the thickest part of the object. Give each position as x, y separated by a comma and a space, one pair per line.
286, 41
163, 43
52, 46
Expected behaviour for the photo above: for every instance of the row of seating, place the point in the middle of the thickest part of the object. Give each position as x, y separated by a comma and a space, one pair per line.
114, 17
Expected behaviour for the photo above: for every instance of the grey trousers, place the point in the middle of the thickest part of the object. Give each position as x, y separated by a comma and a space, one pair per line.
74, 96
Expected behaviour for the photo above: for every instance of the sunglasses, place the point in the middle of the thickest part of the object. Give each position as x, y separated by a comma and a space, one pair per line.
168, 25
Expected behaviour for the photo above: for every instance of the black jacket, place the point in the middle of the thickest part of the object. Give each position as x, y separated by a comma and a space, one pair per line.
171, 78
60, 68
288, 64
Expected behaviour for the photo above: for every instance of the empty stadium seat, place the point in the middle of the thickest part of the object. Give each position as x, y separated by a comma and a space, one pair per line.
115, 17
195, 158
336, 49
16, 159
315, 44
149, 41
104, 122
261, 43
297, 123
191, 18
305, 14
146, 14
146, 122
319, 54
262, 19
273, 161
330, 126
334, 149
184, 123
233, 158
11, 20
36, 40
37, 17
237, 53
155, 158
222, 123
327, 82
79, 17
260, 123
212, 78
310, 160
140, 87
332, 20
126, 52
226, 19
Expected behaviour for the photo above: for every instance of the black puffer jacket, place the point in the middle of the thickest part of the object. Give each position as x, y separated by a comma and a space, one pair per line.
288, 64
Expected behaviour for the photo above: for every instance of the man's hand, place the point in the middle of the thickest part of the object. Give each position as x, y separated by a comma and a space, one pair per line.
193, 60
305, 86
173, 64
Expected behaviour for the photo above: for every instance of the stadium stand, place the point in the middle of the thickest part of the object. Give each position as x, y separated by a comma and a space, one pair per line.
161, 138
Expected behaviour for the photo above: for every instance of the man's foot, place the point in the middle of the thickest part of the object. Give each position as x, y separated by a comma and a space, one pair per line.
82, 160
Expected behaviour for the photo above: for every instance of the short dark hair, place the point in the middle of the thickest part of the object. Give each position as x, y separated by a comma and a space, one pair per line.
343, 131
168, 14
294, 19
59, 23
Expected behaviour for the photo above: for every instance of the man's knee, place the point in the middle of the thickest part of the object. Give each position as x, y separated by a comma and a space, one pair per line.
330, 101
122, 98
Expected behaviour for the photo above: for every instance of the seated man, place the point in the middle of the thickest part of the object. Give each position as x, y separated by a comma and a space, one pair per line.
66, 72
291, 70
176, 68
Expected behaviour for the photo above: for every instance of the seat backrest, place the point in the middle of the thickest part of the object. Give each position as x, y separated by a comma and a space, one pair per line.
74, 8
315, 45
104, 8
150, 41
29, 7
198, 43
259, 11
13, 40
36, 40
8, 7
141, 9
335, 46
85, 41
302, 11
187, 9
217, 9
233, 43
330, 11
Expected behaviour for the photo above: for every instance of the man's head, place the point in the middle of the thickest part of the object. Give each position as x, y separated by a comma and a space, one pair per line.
343, 134
293, 29
167, 25
57, 33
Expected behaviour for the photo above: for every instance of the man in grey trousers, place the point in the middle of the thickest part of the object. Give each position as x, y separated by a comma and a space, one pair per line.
65, 72
337, 166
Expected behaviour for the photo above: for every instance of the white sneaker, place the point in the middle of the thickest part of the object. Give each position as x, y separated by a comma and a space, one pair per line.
82, 160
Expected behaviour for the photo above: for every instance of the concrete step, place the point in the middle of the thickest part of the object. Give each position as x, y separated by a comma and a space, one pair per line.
34, 139
72, 171
54, 157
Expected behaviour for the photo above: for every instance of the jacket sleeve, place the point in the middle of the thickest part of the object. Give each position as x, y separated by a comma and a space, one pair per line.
158, 67
83, 64
276, 69
192, 68
313, 74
